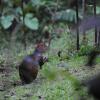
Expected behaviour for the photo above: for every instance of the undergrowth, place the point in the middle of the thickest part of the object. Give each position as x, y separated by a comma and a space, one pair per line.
58, 80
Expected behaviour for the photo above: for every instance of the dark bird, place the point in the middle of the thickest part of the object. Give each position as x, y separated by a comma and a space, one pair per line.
30, 65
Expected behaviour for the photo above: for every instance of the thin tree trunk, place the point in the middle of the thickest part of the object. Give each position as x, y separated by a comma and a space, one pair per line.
94, 5
77, 24
1, 7
84, 10
99, 39
0, 2
24, 40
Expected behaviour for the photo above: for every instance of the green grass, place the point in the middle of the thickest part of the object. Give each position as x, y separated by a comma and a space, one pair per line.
53, 82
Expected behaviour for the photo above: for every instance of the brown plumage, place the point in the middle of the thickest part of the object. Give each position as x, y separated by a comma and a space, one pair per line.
29, 67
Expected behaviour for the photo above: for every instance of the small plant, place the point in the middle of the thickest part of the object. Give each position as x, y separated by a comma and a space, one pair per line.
85, 50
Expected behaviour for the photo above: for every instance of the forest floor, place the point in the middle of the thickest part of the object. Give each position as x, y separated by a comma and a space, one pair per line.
11, 88
58, 80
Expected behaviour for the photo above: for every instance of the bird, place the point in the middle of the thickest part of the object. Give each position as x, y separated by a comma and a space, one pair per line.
29, 67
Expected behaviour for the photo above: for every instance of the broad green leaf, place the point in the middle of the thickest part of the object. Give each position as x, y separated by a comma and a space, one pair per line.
98, 10
31, 22
68, 15
6, 21
37, 2
19, 10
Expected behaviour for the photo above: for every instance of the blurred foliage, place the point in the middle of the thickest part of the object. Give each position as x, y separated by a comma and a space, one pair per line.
85, 50
32, 15
58, 78
68, 16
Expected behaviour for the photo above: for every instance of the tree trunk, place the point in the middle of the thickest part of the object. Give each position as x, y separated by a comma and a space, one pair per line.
99, 39
77, 24
24, 39
84, 10
94, 5
1, 7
